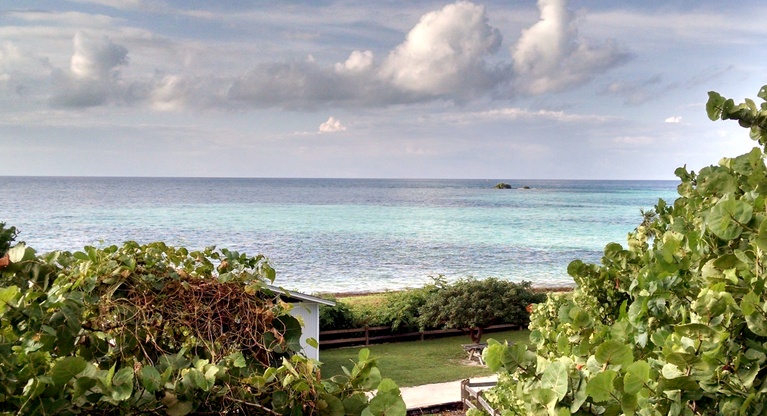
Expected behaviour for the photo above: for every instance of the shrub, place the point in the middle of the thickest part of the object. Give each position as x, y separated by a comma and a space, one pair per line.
339, 316
473, 304
7, 237
151, 329
402, 308
676, 322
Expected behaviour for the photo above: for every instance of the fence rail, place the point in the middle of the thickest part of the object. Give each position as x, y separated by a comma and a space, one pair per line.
471, 396
380, 334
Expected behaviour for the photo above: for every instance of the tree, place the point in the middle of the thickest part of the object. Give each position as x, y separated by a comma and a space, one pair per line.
472, 305
676, 322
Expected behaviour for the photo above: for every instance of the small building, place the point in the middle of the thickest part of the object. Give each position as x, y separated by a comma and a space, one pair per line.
308, 308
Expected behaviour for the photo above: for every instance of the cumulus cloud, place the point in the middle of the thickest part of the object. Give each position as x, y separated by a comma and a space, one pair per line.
674, 119
445, 53
451, 54
358, 62
93, 74
552, 56
331, 126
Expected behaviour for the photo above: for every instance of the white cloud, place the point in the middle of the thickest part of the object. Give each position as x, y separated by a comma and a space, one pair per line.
451, 54
169, 94
674, 119
552, 56
96, 58
331, 126
93, 75
357, 62
445, 53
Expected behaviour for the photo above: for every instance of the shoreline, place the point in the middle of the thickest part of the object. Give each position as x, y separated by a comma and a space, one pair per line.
352, 294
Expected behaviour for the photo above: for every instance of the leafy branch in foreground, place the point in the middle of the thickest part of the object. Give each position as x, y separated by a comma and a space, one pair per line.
673, 324
152, 329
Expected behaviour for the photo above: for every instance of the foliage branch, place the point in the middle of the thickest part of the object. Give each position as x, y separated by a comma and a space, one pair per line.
152, 329
673, 324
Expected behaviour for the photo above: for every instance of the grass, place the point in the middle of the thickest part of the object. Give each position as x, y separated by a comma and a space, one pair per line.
418, 362
368, 300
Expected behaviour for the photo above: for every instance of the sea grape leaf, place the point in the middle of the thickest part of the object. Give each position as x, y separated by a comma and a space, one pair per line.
17, 252
600, 387
580, 396
637, 374
8, 296
687, 383
335, 406
122, 384
714, 105
546, 397
726, 218
149, 378
355, 403
387, 401
629, 403
66, 369
756, 323
761, 239
613, 352
579, 317
493, 355
555, 378
179, 408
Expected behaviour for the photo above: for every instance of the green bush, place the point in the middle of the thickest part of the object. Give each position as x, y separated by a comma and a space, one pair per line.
402, 310
675, 323
339, 316
7, 237
156, 330
473, 305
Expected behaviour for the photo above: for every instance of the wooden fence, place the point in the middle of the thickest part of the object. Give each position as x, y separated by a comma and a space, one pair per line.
380, 334
471, 396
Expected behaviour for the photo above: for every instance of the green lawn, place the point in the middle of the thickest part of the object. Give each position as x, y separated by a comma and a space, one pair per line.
418, 362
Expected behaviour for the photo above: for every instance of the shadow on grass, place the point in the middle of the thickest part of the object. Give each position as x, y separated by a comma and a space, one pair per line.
418, 362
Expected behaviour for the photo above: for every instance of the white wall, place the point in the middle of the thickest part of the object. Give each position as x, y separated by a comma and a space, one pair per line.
310, 313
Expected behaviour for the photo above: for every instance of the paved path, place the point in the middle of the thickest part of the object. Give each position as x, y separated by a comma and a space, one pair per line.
435, 394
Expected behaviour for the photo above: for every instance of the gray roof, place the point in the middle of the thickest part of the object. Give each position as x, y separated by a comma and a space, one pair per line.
300, 296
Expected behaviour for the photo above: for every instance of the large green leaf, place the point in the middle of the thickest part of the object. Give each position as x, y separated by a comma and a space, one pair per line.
761, 239
150, 378
555, 378
756, 323
727, 217
8, 296
714, 105
387, 401
546, 397
637, 375
601, 387
614, 353
122, 384
66, 369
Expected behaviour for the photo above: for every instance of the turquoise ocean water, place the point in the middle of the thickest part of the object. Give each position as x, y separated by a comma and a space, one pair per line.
344, 235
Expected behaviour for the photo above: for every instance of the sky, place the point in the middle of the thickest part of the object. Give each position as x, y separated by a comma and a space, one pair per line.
494, 89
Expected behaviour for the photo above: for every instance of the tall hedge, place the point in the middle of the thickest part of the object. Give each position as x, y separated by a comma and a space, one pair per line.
673, 323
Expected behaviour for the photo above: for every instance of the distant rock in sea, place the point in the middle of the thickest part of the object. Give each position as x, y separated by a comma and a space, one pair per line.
501, 185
